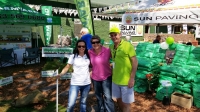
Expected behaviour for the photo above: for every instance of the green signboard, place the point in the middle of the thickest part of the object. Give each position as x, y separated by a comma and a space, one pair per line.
16, 12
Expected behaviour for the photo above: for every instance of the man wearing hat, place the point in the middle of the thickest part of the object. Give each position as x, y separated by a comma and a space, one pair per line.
124, 69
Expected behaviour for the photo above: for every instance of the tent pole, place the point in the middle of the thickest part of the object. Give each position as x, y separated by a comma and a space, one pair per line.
91, 18
157, 28
37, 35
60, 30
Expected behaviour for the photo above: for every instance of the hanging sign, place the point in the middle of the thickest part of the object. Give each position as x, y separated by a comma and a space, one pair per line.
47, 10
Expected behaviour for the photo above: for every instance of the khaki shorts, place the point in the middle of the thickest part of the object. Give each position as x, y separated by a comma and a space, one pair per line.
127, 94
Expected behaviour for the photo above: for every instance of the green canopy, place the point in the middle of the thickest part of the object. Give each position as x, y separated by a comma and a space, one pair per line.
16, 12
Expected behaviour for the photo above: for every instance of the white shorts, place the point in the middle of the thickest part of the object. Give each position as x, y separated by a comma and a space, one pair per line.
127, 94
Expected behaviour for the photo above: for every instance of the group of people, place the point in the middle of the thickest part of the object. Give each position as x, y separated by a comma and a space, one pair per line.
91, 63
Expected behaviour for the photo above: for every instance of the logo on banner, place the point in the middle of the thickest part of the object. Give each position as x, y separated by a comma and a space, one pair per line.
49, 20
132, 30
163, 3
128, 19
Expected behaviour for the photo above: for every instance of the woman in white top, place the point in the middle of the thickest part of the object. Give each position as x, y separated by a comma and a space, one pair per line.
80, 80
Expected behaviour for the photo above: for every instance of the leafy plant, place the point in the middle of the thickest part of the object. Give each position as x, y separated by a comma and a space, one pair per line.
56, 64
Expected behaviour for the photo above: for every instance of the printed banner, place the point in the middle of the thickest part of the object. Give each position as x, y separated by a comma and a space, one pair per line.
47, 10
163, 17
56, 52
84, 11
6, 81
128, 30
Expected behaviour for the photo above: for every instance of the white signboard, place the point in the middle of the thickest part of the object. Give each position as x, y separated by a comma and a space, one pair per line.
181, 16
66, 76
56, 51
130, 30
6, 81
197, 31
185, 31
20, 29
169, 29
49, 73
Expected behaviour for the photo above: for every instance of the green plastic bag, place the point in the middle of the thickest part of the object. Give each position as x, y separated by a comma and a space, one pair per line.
189, 78
172, 46
140, 85
196, 93
148, 54
182, 72
197, 79
140, 53
193, 69
197, 102
196, 85
172, 80
195, 49
151, 47
162, 91
184, 89
193, 62
141, 74
194, 55
169, 68
160, 50
158, 55
182, 54
183, 48
187, 85
178, 59
180, 82
153, 68
145, 62
168, 74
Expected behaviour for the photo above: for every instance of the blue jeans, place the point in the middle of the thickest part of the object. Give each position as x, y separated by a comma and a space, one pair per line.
73, 93
103, 94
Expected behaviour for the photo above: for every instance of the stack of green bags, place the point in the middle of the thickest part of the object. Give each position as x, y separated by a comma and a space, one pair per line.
196, 91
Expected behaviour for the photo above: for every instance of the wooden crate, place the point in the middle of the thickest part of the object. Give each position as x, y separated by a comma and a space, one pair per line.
183, 100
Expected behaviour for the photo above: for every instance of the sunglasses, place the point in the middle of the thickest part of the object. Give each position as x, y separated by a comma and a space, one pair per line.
96, 42
81, 46
113, 35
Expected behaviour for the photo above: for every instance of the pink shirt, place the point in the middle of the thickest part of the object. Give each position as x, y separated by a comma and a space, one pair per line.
100, 64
